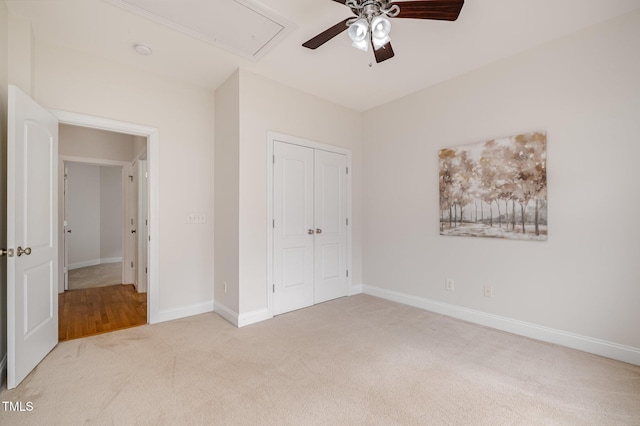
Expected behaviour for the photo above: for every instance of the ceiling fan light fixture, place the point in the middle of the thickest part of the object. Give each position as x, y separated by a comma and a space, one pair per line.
358, 30
371, 25
362, 45
380, 29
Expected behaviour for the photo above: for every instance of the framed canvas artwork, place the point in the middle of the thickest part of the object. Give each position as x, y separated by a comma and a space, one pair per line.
496, 188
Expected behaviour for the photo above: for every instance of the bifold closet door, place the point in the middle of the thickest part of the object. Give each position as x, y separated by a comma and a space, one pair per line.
310, 229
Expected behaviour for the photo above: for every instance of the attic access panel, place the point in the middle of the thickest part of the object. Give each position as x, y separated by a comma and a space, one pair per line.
235, 25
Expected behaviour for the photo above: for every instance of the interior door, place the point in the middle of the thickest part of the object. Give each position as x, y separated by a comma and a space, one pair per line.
330, 218
32, 229
293, 227
142, 257
67, 229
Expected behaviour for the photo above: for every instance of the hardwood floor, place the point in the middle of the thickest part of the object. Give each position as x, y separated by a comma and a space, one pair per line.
90, 311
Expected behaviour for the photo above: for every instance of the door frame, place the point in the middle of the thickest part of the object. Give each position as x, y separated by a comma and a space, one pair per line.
124, 192
153, 141
273, 137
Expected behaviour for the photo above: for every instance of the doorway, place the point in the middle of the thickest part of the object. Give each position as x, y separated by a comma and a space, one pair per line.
309, 237
149, 152
33, 275
94, 215
105, 288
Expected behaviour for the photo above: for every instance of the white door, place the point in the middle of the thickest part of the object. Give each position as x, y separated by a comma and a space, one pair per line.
32, 229
293, 227
66, 230
330, 252
309, 229
142, 257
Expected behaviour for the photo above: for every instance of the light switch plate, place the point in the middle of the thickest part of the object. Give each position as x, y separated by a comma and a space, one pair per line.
196, 218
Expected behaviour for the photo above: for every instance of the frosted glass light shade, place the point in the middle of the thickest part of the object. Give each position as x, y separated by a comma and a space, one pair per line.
380, 28
358, 32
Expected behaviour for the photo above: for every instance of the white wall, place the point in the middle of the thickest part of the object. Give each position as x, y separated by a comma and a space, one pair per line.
226, 191
584, 90
269, 106
20, 53
139, 146
94, 214
70, 81
110, 214
90, 143
83, 215
4, 60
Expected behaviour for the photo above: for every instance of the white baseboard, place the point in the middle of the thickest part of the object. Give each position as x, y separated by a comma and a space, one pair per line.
583, 343
83, 264
226, 313
93, 262
254, 317
241, 320
3, 369
356, 289
185, 311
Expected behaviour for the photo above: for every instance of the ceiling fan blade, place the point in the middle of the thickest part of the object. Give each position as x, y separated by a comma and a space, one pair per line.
443, 10
327, 35
341, 1
384, 53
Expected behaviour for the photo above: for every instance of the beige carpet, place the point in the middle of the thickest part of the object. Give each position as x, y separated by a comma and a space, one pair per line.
102, 275
353, 361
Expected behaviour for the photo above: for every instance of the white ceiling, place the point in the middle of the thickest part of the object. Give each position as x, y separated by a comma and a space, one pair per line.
427, 52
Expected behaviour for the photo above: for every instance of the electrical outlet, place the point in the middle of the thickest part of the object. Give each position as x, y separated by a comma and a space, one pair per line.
449, 284
488, 291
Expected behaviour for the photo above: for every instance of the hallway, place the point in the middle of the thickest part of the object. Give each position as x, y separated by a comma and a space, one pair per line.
102, 275
91, 311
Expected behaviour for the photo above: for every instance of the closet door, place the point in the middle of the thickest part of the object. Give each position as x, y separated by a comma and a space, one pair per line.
293, 233
330, 217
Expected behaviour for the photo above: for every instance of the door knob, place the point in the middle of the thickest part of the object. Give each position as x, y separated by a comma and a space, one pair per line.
68, 231
133, 231
310, 231
26, 251
318, 231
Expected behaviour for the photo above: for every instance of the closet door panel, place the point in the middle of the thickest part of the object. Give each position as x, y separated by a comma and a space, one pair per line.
330, 207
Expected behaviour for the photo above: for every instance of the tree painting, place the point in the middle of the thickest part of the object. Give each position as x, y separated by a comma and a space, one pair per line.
496, 188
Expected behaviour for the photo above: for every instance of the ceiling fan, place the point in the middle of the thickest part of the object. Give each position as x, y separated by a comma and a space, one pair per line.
371, 25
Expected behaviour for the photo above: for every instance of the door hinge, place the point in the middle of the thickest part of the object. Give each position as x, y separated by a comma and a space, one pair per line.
347, 170
347, 221
274, 159
274, 223
347, 273
274, 288
145, 270
132, 264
